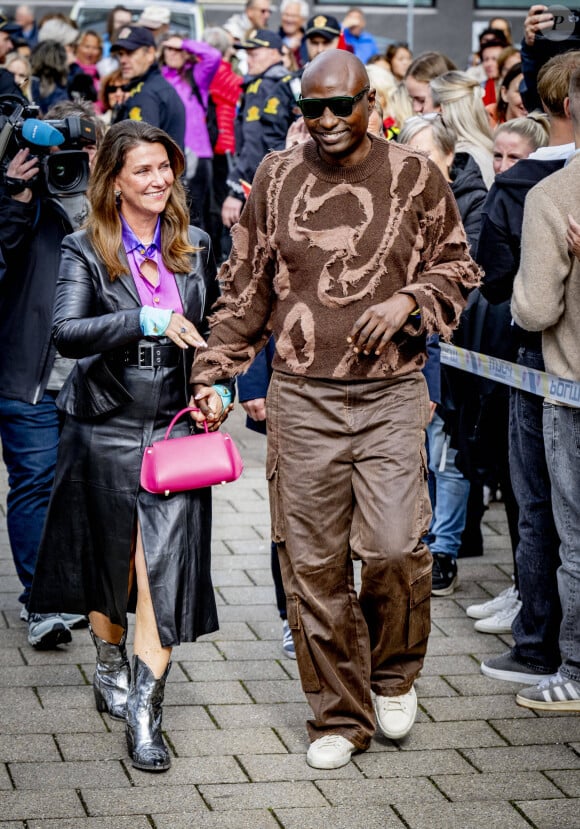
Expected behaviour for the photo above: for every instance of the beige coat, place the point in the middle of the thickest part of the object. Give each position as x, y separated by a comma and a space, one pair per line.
547, 286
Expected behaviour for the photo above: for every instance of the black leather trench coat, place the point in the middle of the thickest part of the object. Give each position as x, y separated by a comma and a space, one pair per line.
113, 411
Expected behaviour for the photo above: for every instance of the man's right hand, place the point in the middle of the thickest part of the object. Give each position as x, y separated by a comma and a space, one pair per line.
231, 209
24, 168
538, 19
256, 409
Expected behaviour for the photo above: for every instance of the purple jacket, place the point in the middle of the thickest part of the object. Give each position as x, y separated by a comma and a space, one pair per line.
209, 59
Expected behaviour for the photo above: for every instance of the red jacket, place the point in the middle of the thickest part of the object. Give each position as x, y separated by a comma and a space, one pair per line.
225, 91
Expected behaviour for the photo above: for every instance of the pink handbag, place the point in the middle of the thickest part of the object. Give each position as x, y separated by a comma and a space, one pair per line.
191, 462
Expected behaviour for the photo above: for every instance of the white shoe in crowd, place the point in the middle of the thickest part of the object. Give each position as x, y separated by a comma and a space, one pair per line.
507, 599
500, 622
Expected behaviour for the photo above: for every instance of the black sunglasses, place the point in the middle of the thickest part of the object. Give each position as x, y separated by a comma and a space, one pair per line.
114, 88
341, 105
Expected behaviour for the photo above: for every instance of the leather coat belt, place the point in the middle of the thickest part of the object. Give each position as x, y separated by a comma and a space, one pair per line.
149, 355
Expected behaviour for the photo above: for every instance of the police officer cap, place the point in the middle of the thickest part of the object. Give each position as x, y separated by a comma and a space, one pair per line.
9, 27
262, 38
133, 37
322, 26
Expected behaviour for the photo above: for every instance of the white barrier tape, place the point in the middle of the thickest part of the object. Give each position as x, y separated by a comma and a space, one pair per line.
531, 380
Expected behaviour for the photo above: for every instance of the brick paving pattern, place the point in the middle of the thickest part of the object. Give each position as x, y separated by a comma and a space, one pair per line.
234, 717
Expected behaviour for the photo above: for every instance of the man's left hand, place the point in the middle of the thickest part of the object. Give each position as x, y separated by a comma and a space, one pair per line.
376, 327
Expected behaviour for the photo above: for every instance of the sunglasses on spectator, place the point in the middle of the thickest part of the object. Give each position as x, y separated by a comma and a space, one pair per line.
114, 88
340, 105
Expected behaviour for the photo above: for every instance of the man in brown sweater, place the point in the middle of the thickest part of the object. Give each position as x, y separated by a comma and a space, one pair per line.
349, 250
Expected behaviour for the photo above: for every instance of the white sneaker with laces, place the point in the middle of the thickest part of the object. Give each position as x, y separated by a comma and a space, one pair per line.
500, 622
329, 752
396, 715
288, 641
507, 598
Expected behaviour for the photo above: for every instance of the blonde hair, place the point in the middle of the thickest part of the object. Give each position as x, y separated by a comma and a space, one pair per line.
11, 58
104, 224
534, 128
400, 105
384, 83
460, 99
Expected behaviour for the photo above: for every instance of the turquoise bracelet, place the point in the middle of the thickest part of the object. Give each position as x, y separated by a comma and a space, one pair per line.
224, 393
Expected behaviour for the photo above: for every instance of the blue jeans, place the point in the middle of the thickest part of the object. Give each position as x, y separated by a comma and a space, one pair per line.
29, 435
537, 625
562, 437
451, 492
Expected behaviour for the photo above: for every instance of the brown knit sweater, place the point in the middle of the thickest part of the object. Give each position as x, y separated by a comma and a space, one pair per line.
317, 244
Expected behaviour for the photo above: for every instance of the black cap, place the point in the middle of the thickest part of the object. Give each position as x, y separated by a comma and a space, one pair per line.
9, 26
262, 38
322, 26
132, 38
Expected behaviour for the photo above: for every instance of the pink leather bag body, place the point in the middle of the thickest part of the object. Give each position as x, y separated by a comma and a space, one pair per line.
190, 462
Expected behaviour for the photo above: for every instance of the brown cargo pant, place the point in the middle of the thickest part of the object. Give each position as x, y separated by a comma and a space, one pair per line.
347, 479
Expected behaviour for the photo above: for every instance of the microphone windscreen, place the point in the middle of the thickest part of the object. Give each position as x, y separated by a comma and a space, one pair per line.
40, 133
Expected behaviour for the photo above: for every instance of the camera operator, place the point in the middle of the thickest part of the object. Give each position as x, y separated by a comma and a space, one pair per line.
33, 223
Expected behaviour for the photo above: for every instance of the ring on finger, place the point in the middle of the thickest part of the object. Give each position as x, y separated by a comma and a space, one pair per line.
182, 330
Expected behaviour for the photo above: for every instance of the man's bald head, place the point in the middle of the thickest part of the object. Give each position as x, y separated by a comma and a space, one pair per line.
340, 127
335, 67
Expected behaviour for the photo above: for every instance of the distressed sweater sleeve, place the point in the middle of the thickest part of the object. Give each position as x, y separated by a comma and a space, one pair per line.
447, 272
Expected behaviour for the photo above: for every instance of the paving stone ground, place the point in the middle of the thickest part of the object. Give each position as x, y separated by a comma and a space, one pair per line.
235, 713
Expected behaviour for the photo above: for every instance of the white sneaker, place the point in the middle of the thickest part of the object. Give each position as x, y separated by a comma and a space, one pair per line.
396, 715
288, 641
507, 598
330, 752
500, 622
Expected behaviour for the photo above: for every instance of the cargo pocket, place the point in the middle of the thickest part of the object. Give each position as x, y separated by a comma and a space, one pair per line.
308, 674
278, 528
419, 609
424, 512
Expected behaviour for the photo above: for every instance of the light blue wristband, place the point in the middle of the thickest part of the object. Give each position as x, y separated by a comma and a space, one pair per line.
224, 393
154, 321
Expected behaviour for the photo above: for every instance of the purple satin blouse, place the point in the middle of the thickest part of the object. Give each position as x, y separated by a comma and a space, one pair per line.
164, 294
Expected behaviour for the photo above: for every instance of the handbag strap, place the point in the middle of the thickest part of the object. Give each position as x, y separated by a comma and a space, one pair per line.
180, 414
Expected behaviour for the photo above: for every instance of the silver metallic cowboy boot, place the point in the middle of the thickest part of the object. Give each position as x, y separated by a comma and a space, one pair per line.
112, 677
145, 743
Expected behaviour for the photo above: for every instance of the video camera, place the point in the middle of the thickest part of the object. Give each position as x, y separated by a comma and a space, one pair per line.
65, 172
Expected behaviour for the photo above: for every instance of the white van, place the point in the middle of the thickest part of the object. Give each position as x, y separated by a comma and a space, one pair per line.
186, 18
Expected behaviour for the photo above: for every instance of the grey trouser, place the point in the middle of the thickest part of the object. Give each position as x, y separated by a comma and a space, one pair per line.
348, 479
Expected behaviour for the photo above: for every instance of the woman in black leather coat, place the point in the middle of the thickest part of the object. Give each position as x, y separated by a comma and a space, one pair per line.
132, 300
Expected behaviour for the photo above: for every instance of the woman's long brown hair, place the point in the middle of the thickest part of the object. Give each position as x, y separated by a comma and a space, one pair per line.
104, 225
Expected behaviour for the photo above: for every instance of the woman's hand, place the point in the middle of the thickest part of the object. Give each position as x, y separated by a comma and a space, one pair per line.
211, 406
183, 332
24, 167
573, 237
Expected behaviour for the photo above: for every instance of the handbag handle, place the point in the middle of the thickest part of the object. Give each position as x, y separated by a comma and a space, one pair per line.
180, 414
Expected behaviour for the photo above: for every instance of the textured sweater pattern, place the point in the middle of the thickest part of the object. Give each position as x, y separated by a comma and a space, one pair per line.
318, 244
